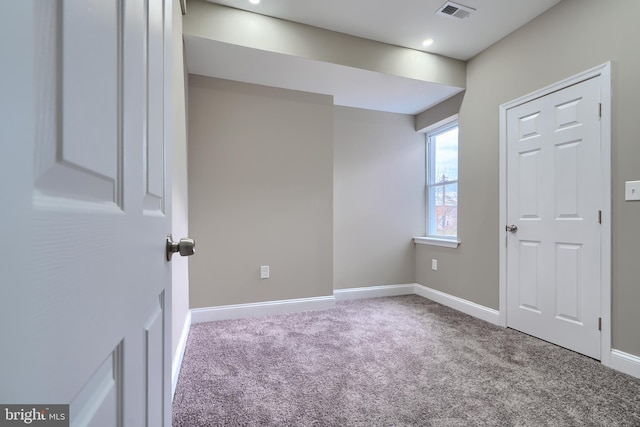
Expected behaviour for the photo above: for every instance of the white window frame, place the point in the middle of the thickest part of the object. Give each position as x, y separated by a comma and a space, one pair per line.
432, 239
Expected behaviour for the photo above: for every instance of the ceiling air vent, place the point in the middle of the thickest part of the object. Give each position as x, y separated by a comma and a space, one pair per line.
454, 10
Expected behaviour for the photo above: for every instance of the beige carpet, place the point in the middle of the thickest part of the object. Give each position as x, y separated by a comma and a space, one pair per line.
397, 361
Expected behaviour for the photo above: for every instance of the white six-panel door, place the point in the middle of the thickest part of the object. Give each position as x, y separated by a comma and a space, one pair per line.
86, 289
554, 200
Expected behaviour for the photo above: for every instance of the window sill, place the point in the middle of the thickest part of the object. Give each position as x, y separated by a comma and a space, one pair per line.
434, 241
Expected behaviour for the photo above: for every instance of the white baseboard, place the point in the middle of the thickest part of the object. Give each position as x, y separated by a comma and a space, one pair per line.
374, 292
476, 310
487, 314
239, 311
177, 359
625, 362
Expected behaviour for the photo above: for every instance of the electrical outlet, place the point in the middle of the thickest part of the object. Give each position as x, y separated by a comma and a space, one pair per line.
264, 271
434, 264
632, 190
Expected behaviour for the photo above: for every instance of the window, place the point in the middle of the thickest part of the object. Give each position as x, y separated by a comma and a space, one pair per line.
442, 182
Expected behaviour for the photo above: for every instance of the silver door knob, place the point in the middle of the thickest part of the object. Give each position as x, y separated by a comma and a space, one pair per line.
511, 228
186, 246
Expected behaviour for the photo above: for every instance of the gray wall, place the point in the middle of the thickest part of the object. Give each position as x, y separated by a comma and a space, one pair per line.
573, 36
437, 114
260, 192
378, 197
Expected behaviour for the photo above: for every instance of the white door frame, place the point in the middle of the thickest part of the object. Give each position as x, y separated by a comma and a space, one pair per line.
604, 72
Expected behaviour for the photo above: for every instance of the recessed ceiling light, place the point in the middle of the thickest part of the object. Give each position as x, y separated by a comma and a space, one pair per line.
427, 42
254, 1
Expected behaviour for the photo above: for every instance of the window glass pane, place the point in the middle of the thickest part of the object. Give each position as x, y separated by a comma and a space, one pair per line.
446, 155
442, 182
446, 210
437, 193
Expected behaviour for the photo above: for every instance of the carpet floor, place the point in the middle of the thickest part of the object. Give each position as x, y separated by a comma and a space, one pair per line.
394, 361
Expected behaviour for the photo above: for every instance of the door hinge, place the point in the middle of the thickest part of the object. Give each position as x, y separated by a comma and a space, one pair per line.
599, 323
599, 217
600, 109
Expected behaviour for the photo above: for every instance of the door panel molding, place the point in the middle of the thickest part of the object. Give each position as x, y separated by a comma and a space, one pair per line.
101, 398
603, 72
66, 166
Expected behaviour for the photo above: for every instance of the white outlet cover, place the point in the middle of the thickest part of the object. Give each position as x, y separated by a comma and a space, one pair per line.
264, 271
632, 190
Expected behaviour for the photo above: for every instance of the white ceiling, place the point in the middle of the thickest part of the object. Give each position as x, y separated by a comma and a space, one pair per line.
407, 23
380, 20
